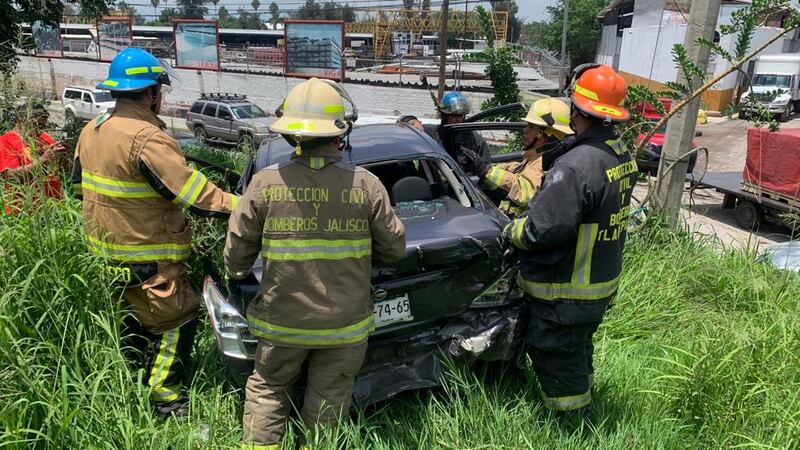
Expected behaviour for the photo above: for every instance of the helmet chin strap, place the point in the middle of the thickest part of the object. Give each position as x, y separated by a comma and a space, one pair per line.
154, 98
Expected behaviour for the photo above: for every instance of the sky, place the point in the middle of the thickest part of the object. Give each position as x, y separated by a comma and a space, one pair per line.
528, 9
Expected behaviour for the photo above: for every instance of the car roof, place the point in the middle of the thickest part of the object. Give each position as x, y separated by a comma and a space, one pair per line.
370, 143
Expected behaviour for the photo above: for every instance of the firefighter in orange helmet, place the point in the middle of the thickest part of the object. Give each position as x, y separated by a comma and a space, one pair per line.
571, 240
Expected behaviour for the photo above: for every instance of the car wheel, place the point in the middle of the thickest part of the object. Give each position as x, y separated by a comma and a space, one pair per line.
796, 106
748, 214
69, 118
742, 115
247, 141
784, 117
200, 134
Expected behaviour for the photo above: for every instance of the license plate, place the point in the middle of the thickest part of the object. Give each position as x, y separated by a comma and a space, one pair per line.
390, 311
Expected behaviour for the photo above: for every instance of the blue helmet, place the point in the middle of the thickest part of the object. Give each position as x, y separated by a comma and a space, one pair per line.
134, 69
454, 103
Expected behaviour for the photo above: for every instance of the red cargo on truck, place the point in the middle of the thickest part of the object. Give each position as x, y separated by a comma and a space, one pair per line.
773, 163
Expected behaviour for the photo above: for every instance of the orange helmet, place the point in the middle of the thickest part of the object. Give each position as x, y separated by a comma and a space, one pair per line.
599, 92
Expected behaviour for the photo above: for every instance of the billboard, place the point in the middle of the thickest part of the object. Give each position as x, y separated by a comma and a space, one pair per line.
196, 44
314, 48
46, 39
113, 35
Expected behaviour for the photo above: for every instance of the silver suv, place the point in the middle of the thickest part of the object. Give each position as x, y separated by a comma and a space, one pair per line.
230, 118
85, 103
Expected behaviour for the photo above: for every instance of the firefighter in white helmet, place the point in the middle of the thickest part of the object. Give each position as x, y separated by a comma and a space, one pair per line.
517, 182
317, 222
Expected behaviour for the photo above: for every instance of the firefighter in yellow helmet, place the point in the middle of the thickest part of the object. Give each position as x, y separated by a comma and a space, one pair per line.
136, 185
517, 182
317, 222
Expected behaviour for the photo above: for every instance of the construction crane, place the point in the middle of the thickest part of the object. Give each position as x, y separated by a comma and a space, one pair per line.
382, 22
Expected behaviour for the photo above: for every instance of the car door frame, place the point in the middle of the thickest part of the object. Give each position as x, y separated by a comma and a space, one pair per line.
86, 106
210, 122
225, 125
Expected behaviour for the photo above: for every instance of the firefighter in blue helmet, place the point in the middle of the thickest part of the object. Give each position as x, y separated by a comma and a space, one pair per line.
136, 187
453, 109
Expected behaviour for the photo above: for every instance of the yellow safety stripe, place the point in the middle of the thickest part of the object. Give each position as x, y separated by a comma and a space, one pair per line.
307, 126
525, 191
116, 188
310, 249
234, 201
586, 92
77, 188
564, 120
572, 291
313, 337
306, 108
191, 189
518, 232
140, 252
617, 145
316, 162
582, 269
167, 350
495, 177
261, 447
567, 403
111, 83
144, 69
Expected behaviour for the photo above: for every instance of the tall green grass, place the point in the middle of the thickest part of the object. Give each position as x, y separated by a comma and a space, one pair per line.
700, 350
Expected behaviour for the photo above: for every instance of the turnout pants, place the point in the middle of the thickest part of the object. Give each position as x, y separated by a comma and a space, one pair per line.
329, 388
561, 350
160, 334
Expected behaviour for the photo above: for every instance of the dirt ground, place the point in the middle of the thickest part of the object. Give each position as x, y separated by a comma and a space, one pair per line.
726, 140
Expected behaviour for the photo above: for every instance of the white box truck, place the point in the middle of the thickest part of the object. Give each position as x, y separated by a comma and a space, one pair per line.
774, 73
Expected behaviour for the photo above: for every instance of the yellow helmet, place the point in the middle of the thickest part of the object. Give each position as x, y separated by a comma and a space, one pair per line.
312, 109
550, 114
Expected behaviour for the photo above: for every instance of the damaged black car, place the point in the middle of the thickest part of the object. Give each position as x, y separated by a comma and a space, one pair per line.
451, 296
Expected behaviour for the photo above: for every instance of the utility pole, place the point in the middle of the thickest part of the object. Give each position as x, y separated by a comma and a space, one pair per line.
703, 16
443, 48
563, 71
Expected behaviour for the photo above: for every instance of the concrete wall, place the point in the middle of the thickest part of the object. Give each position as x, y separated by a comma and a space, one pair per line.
646, 52
607, 46
647, 13
266, 91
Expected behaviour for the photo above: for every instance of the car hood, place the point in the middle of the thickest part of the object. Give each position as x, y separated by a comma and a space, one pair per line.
258, 122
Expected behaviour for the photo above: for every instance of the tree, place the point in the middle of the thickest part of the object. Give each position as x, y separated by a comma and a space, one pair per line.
533, 33
583, 30
425, 6
347, 13
514, 27
249, 20
127, 10
310, 10
166, 16
274, 13
256, 4
224, 18
155, 4
192, 9
216, 13
12, 14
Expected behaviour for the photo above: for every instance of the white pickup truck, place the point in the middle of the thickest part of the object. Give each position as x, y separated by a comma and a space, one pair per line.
85, 103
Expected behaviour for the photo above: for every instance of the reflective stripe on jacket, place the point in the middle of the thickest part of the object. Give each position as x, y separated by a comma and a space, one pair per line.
136, 184
317, 222
520, 180
574, 232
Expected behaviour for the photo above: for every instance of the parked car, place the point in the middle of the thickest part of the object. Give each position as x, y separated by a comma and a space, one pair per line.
650, 156
453, 292
228, 118
85, 103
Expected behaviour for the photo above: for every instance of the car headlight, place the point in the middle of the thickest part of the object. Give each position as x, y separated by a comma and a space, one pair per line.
230, 326
781, 101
